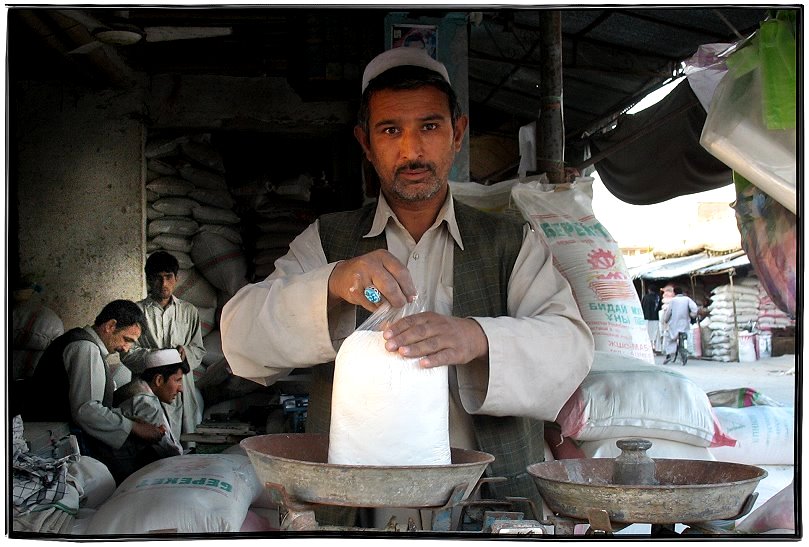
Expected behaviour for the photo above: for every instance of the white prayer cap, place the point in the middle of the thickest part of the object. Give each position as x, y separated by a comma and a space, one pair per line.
401, 56
162, 357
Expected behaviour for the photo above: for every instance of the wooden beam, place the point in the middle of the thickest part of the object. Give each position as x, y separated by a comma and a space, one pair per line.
551, 127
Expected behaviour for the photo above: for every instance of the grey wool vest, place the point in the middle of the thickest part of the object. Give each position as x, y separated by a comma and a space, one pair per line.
481, 274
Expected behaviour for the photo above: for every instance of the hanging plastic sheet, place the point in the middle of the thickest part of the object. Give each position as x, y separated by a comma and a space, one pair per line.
751, 126
769, 237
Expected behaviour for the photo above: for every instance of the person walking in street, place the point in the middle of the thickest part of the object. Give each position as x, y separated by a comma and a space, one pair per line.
650, 304
678, 317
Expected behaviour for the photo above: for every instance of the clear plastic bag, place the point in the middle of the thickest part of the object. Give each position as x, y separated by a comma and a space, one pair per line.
385, 315
386, 410
750, 126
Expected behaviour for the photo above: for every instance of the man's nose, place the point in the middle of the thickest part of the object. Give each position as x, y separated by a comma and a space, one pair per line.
411, 145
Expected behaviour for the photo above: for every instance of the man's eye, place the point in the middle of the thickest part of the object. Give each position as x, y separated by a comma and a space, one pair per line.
430, 126
390, 131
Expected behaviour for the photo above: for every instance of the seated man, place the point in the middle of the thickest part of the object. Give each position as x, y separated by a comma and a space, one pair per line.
140, 399
72, 383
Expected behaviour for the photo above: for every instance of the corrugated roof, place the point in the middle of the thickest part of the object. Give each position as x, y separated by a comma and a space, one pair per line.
669, 268
739, 262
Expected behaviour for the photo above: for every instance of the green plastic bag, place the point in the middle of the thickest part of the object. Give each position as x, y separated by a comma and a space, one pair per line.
776, 48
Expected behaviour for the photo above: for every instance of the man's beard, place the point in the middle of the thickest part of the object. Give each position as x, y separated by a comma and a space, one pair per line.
404, 191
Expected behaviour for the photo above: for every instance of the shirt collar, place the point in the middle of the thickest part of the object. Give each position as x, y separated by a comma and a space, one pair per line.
384, 214
97, 339
152, 302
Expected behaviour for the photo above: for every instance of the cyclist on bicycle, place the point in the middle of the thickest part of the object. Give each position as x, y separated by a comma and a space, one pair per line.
678, 317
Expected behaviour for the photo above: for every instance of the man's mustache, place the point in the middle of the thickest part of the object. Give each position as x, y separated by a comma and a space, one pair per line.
415, 165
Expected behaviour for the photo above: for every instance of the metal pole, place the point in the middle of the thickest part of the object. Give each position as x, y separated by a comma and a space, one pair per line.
735, 322
551, 133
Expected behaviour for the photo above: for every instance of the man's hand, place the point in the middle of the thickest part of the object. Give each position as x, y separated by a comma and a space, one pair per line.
380, 269
439, 340
148, 432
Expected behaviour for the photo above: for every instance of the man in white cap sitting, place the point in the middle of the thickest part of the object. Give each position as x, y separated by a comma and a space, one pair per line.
143, 399
500, 315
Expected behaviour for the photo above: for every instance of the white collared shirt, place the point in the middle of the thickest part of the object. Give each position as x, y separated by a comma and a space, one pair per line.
538, 355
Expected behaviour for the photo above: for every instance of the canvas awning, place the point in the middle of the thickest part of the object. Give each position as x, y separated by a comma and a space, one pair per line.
731, 265
696, 264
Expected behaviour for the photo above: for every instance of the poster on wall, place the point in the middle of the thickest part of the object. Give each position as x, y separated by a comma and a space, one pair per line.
419, 36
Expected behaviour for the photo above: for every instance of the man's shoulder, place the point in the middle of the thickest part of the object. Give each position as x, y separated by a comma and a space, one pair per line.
79, 335
136, 389
185, 305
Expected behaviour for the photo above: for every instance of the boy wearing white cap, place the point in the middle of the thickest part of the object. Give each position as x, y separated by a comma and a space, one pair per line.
160, 382
500, 316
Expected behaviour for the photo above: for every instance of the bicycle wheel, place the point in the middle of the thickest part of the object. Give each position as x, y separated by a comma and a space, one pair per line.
682, 349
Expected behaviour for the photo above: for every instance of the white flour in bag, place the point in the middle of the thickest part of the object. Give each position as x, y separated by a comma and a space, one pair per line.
591, 261
385, 409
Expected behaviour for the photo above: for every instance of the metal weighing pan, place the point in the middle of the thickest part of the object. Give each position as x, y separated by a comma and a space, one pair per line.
299, 463
688, 491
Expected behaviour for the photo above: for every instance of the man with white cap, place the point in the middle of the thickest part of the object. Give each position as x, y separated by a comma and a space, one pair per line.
170, 323
160, 382
501, 317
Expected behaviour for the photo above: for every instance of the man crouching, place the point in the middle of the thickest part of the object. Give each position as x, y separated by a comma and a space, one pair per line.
143, 399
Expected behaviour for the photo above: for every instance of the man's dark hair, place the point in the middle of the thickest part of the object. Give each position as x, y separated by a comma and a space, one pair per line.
678, 290
165, 371
161, 261
407, 77
125, 312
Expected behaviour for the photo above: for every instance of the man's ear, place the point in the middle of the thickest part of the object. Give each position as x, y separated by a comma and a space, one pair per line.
158, 380
362, 138
459, 130
109, 326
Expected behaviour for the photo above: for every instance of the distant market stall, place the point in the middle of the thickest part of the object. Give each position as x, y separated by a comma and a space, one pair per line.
742, 322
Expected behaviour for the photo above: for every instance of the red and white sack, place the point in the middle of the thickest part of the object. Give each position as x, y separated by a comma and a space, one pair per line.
627, 397
765, 435
221, 261
386, 410
591, 261
193, 287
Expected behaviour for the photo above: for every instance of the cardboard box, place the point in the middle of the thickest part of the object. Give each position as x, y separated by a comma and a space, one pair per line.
783, 345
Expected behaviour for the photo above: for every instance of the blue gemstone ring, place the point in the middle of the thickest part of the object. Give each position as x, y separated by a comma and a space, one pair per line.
372, 295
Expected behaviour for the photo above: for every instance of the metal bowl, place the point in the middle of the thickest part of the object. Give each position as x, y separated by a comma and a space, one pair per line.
688, 491
299, 463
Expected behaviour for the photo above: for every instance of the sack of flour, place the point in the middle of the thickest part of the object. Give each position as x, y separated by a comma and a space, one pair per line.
386, 410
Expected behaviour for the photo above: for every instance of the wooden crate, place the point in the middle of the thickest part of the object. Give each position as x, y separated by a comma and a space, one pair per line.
783, 345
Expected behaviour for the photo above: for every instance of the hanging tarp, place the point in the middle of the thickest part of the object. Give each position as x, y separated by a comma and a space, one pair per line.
667, 161
670, 268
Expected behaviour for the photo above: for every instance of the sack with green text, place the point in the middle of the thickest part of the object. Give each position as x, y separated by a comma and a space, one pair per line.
196, 493
591, 261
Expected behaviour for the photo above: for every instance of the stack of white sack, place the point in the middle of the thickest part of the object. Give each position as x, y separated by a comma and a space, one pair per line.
280, 211
190, 214
732, 308
765, 434
54, 494
35, 326
624, 397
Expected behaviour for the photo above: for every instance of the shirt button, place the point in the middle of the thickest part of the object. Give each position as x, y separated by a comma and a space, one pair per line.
415, 256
